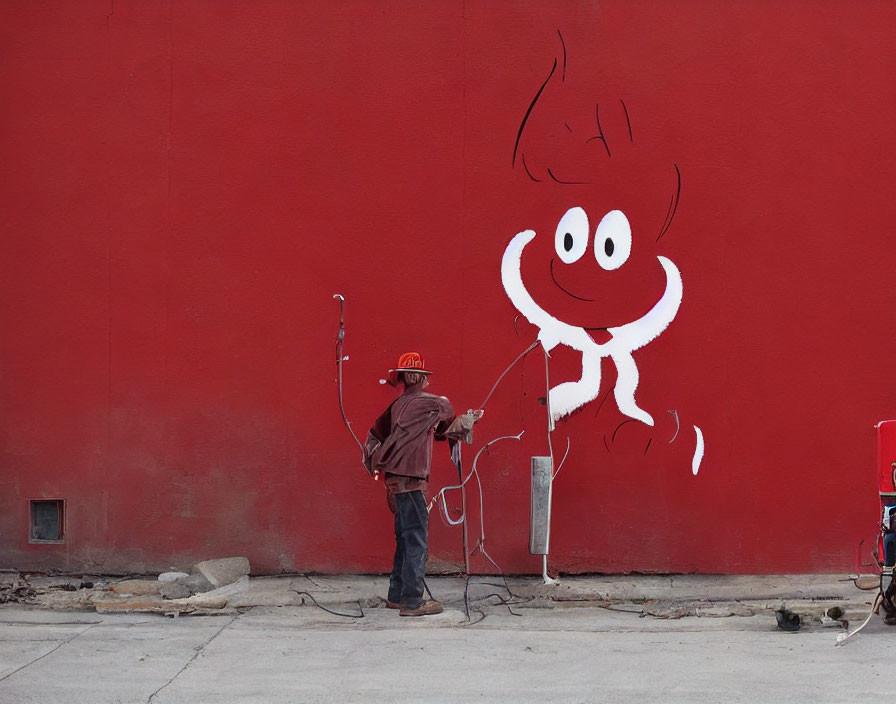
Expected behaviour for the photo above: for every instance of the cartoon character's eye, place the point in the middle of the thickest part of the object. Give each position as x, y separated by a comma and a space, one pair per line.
571, 240
613, 240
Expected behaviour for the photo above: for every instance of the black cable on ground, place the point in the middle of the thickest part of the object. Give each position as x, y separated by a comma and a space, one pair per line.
502, 601
513, 599
481, 617
426, 586
330, 611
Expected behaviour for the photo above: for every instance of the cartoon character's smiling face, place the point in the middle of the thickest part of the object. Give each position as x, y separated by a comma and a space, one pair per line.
591, 290
593, 274
610, 246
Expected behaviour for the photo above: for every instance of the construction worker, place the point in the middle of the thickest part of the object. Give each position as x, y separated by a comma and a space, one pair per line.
399, 446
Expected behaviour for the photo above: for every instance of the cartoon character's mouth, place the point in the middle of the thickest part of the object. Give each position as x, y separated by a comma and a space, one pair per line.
635, 327
566, 291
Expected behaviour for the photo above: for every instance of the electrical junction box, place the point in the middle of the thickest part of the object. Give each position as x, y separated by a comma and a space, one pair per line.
540, 506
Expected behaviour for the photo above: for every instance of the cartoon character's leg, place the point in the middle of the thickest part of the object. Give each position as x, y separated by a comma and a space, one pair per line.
570, 395
626, 383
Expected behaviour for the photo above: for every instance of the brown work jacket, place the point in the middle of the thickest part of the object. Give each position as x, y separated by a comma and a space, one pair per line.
400, 440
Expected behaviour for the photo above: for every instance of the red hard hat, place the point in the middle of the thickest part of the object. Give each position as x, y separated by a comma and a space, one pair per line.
408, 362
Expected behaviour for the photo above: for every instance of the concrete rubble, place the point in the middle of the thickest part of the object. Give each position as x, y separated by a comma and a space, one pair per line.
14, 587
205, 589
820, 601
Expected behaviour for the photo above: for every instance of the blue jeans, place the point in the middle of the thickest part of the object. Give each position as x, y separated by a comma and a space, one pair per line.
411, 535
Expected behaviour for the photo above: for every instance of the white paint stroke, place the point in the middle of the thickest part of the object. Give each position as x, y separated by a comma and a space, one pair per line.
677, 425
698, 452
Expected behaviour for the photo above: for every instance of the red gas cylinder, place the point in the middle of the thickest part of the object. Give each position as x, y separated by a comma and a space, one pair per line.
886, 456
886, 465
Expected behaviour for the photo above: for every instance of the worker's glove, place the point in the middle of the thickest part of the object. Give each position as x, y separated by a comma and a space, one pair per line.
462, 426
467, 421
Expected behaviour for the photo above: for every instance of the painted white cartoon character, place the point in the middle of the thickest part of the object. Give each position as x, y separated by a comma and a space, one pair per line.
574, 293
611, 246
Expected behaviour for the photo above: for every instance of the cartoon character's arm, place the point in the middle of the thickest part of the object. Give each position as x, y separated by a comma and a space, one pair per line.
635, 335
632, 336
552, 331
570, 395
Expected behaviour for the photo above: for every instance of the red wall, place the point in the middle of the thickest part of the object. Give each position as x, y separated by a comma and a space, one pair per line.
186, 185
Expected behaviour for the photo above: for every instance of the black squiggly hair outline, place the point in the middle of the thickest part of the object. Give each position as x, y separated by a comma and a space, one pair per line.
627, 121
673, 203
519, 134
565, 183
600, 134
529, 173
563, 44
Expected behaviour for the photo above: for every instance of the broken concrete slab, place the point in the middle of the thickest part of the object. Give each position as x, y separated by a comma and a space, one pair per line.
196, 583
168, 577
867, 582
174, 590
150, 604
670, 612
225, 570
723, 610
56, 599
240, 586
136, 587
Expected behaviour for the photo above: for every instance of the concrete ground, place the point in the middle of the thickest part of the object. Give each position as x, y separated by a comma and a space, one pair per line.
683, 639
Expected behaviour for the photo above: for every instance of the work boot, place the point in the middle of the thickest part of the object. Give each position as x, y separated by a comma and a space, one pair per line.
427, 608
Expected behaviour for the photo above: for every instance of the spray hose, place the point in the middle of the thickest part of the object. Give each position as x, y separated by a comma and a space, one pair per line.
504, 373
340, 359
440, 496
